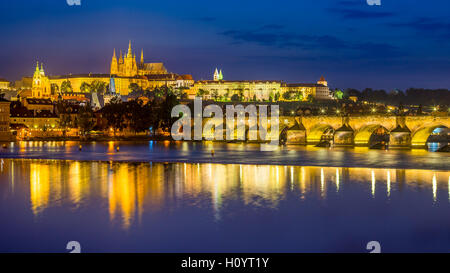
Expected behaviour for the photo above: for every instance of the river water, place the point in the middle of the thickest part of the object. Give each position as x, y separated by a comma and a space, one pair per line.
296, 199
228, 153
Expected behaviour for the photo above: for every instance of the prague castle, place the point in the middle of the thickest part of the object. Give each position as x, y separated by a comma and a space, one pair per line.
127, 66
125, 71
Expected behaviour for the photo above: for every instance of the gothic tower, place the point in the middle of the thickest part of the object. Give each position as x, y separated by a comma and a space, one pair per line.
120, 67
129, 66
114, 64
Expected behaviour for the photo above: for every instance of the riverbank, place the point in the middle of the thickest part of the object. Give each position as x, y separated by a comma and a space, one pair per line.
97, 138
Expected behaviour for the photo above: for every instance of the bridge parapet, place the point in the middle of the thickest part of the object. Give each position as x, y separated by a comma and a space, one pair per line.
404, 131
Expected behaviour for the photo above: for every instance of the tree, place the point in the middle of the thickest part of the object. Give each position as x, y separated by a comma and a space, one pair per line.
183, 95
227, 95
241, 95
287, 96
54, 88
277, 96
98, 87
64, 122
139, 115
166, 111
85, 120
85, 87
134, 87
179, 92
215, 94
158, 92
66, 87
235, 98
114, 113
338, 94
202, 92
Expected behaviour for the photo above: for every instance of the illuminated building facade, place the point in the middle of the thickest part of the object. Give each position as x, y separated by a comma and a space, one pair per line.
259, 90
4, 120
123, 72
41, 87
126, 66
40, 120
4, 84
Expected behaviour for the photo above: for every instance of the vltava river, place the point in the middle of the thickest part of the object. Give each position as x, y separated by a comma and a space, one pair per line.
227, 153
214, 207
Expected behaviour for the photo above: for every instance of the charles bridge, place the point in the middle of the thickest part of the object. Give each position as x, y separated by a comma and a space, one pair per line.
401, 132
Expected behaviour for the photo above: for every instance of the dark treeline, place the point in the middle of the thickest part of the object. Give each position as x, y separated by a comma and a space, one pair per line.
134, 115
411, 96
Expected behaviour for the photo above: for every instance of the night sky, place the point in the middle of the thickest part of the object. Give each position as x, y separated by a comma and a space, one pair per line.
400, 44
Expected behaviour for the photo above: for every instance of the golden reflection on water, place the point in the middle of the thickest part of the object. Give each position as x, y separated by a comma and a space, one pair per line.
126, 190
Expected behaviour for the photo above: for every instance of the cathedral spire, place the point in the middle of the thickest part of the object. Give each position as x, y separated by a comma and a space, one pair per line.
42, 69
114, 54
37, 66
129, 54
142, 56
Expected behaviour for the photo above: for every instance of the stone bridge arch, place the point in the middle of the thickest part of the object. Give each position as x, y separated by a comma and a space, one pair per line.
364, 135
421, 135
361, 123
315, 133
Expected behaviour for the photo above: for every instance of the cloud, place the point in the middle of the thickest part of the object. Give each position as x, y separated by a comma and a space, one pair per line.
434, 27
320, 44
355, 14
424, 24
358, 9
283, 39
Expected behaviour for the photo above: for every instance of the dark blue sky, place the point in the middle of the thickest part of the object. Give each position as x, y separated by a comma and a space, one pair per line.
400, 44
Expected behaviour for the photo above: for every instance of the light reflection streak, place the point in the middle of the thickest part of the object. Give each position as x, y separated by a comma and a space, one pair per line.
292, 178
129, 190
13, 181
388, 181
373, 183
337, 180
322, 182
434, 187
